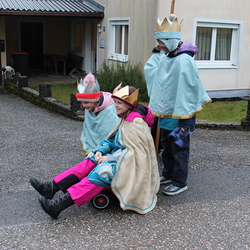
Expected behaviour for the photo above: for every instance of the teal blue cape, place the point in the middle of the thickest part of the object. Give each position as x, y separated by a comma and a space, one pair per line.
96, 127
174, 86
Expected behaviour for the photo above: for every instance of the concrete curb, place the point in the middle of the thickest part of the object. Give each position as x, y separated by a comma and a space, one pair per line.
64, 109
221, 125
45, 102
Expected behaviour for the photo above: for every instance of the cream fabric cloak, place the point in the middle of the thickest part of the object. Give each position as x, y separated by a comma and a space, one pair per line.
136, 181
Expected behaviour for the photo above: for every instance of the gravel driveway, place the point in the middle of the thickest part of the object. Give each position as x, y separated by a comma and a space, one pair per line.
214, 213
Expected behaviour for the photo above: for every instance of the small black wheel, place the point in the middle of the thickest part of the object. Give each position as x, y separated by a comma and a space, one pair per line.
100, 201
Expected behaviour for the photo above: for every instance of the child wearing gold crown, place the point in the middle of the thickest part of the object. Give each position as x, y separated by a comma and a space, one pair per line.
125, 162
176, 95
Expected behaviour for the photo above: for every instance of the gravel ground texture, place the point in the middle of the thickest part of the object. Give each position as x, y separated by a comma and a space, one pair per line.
214, 213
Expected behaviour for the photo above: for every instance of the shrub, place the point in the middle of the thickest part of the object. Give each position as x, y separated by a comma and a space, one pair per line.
110, 75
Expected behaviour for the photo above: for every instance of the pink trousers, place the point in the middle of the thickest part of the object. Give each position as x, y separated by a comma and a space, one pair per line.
84, 190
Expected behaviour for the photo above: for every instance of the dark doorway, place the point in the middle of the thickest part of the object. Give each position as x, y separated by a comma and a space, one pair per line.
32, 42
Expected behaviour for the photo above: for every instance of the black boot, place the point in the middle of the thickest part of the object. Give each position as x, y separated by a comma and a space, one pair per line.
46, 189
55, 206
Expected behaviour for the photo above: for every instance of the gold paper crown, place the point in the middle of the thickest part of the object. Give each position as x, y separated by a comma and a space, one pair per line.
123, 94
166, 26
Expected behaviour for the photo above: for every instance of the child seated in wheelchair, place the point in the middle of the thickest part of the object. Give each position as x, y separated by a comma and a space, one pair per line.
125, 162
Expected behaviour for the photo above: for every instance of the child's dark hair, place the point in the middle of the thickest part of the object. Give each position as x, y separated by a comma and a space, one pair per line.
132, 89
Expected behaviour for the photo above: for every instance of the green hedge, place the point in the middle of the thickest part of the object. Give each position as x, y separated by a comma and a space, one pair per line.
111, 74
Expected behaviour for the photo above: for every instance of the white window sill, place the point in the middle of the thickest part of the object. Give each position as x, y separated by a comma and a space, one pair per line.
215, 66
118, 59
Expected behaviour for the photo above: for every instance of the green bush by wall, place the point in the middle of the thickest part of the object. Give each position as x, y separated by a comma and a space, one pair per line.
110, 75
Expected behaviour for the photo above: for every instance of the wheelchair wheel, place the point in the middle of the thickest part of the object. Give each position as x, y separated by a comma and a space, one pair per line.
100, 201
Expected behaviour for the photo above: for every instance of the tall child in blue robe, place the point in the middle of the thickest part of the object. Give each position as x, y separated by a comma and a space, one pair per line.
176, 96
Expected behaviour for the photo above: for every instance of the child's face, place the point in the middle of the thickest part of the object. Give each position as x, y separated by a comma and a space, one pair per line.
90, 106
83, 105
120, 107
162, 46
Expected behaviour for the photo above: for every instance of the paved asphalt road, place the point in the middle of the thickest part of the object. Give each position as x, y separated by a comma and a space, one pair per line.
214, 213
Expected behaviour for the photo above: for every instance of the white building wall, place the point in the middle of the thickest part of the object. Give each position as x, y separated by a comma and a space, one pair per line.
140, 14
219, 83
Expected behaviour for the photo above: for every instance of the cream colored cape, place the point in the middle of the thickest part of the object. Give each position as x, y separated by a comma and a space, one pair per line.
136, 181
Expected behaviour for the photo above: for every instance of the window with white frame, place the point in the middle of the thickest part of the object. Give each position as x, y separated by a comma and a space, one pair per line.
218, 43
118, 39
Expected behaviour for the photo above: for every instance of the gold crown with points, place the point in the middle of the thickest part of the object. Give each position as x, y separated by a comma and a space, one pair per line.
123, 95
166, 26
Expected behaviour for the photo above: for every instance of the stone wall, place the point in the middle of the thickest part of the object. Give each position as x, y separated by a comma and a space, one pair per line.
44, 102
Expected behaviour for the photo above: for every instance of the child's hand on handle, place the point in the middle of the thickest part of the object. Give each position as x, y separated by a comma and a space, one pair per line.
99, 158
